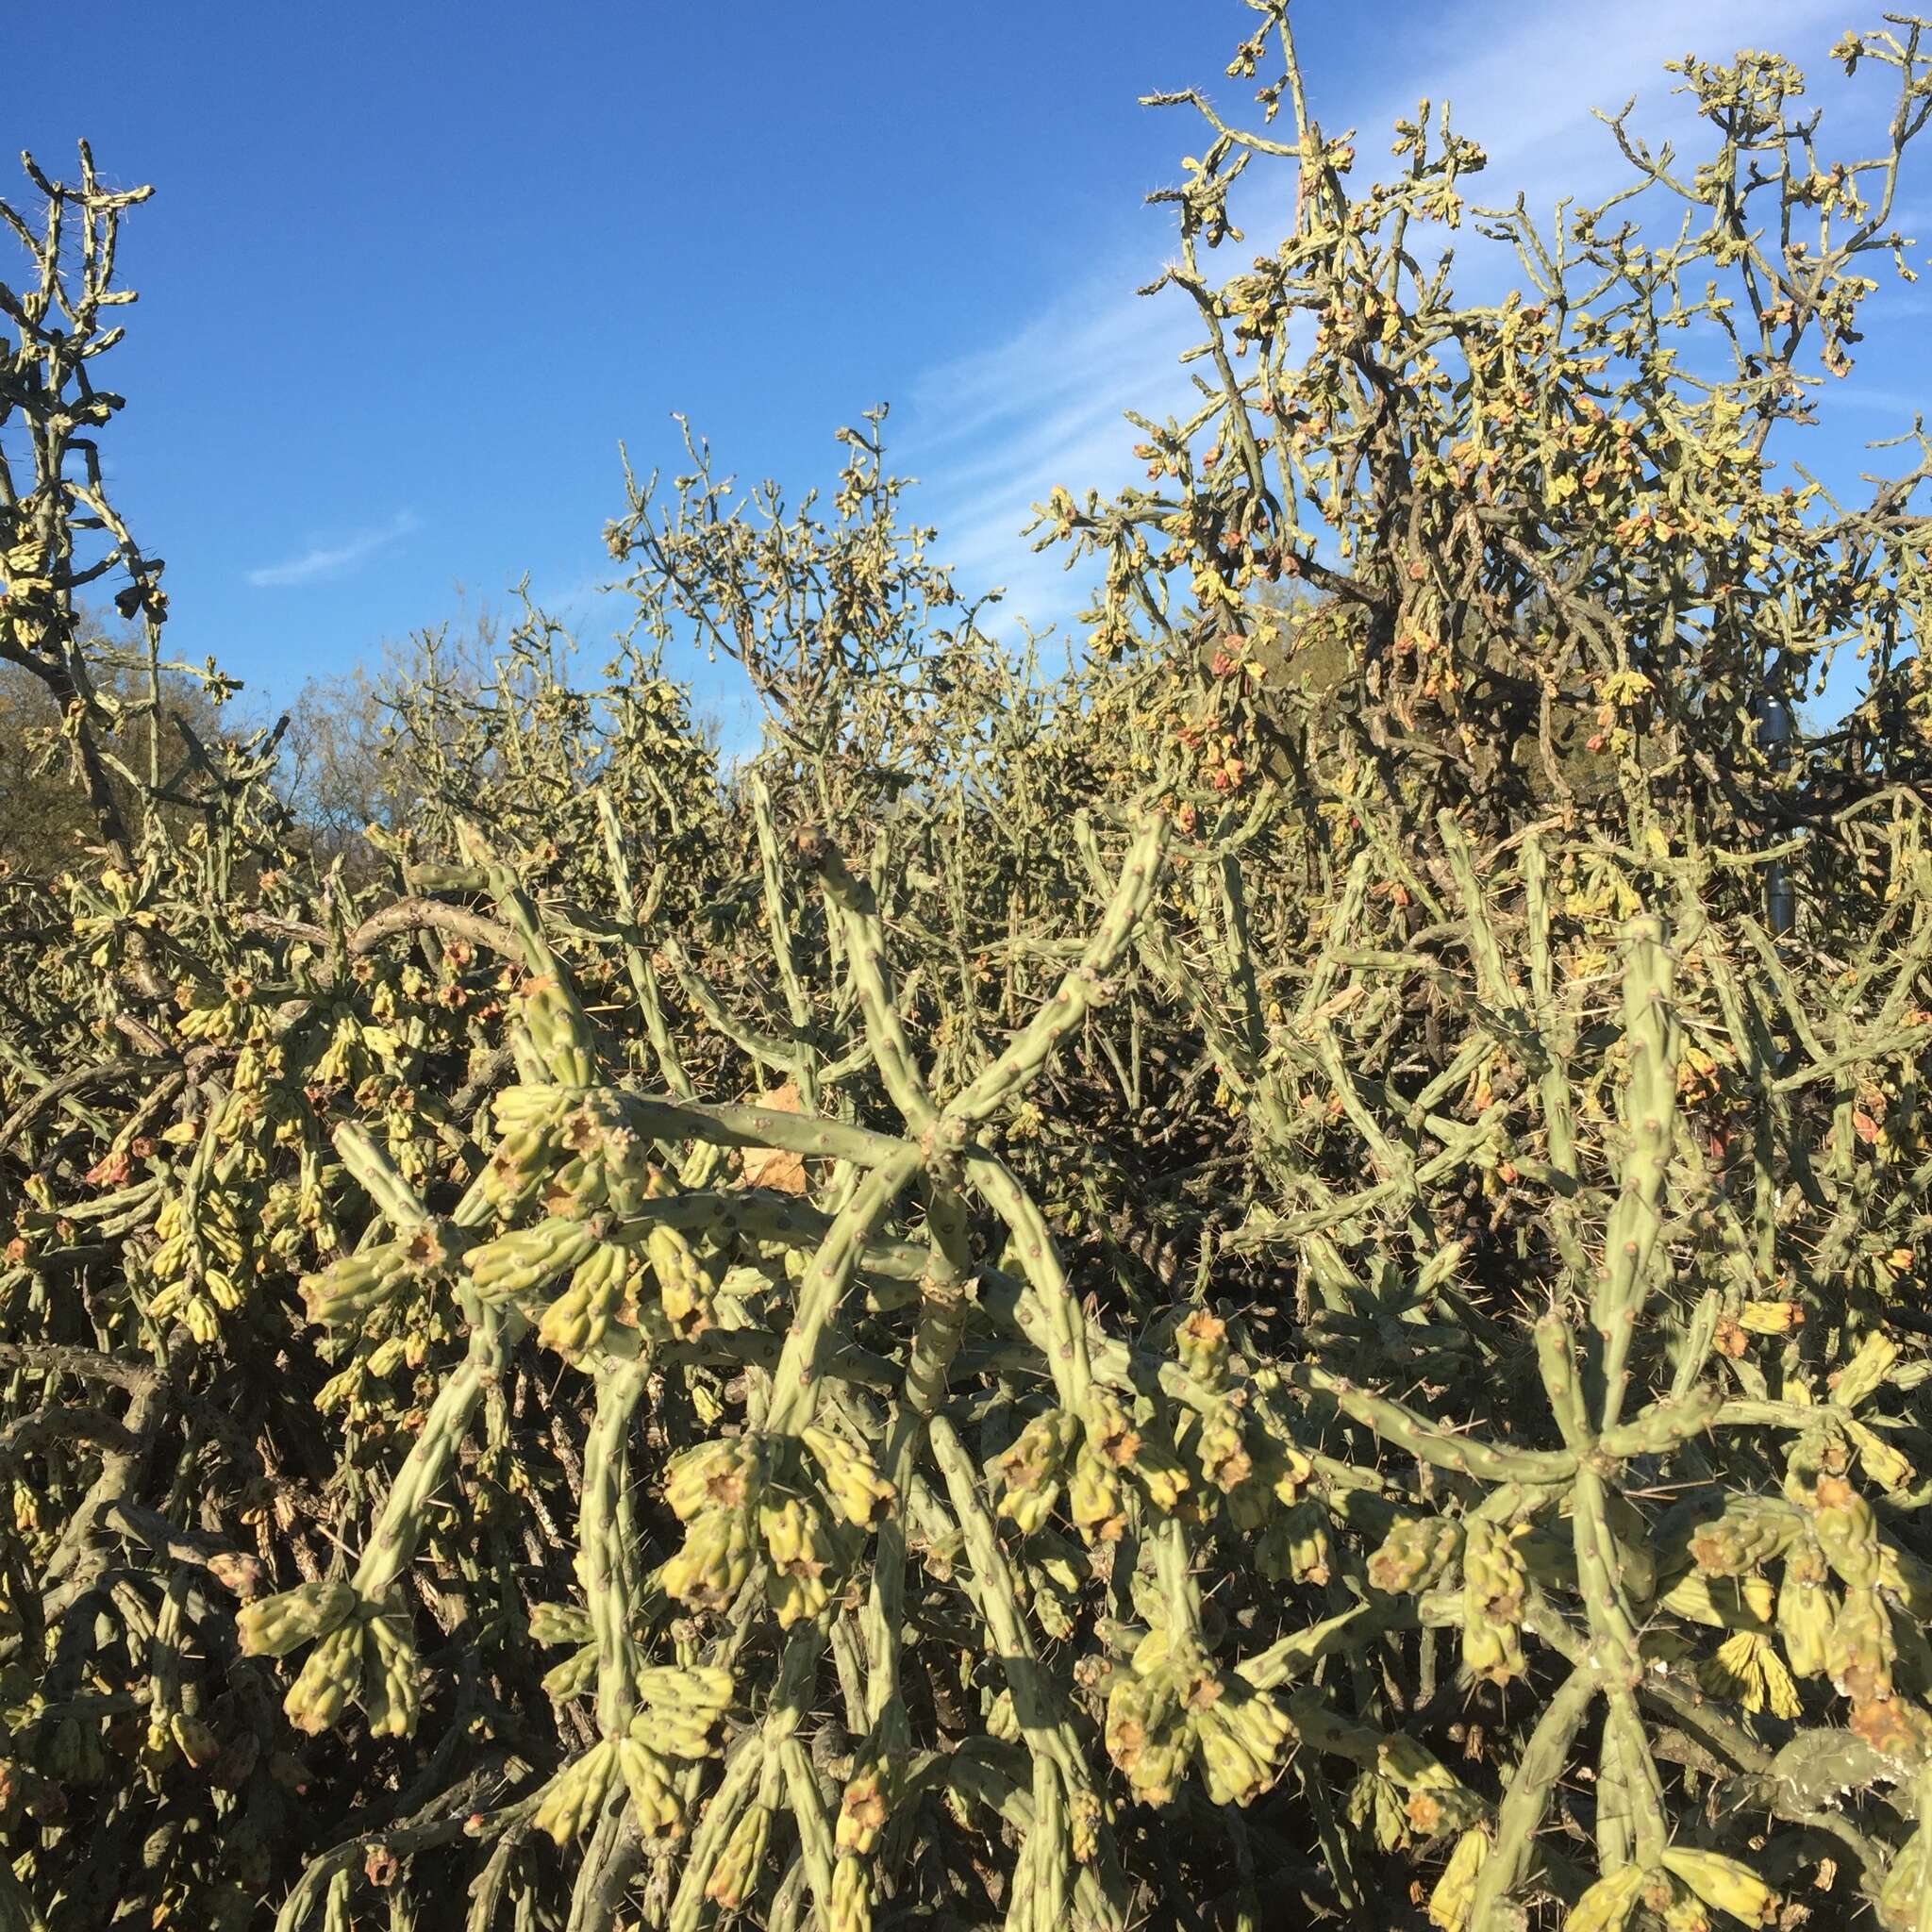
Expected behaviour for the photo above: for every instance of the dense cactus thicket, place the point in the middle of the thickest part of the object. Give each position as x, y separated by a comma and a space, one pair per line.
1277, 1281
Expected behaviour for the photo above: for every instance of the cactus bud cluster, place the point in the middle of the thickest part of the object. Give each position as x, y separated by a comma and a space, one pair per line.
363, 1653
559, 1030
1170, 1707
275, 1625
358, 1284
803, 1557
851, 1479
524, 1262
679, 1721
1033, 1470
575, 1795
1416, 1554
734, 1510
736, 1872
1494, 1586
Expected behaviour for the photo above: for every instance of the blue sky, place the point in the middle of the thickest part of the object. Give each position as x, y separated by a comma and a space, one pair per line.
411, 271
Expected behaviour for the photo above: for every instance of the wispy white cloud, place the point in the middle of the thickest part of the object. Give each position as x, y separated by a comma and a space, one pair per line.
992, 434
336, 559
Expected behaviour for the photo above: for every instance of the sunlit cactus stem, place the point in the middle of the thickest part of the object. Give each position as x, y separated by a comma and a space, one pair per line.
607, 1556
1649, 1116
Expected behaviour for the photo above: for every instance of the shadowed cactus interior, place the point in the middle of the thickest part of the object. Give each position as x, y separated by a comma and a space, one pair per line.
1276, 1280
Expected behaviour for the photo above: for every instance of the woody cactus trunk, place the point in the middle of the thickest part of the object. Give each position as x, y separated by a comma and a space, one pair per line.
1275, 1280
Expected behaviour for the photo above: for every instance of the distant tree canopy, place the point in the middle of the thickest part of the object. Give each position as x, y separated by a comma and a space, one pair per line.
163, 731
359, 749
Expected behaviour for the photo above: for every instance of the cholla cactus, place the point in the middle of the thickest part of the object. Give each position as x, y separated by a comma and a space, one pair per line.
1059, 1287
